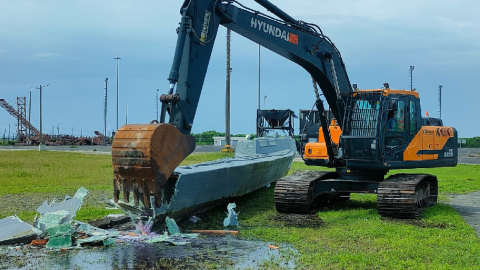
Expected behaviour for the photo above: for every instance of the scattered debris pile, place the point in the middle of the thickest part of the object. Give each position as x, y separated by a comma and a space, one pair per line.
56, 140
57, 229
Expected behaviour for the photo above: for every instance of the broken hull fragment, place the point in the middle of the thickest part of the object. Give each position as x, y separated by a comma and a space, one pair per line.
198, 187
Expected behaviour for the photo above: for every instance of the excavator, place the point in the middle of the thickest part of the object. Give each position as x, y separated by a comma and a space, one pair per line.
369, 133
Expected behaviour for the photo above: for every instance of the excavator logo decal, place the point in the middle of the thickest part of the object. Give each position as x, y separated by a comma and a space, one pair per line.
206, 22
274, 31
444, 132
293, 38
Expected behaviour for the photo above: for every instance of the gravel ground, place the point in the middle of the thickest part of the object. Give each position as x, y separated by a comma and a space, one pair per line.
468, 206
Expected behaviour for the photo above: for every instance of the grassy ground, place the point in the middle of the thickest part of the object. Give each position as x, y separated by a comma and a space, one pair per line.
350, 235
27, 178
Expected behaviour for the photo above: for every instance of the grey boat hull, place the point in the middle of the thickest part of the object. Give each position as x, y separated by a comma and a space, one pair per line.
197, 187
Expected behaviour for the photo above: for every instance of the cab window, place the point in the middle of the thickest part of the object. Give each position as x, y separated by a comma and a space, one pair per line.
396, 117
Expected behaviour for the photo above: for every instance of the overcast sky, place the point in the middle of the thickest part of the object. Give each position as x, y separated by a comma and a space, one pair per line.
71, 45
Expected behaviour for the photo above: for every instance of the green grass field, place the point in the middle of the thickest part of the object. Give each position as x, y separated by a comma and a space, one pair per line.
350, 235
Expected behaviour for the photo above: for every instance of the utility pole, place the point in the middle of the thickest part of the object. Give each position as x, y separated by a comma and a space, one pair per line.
117, 58
41, 147
411, 77
440, 101
29, 112
105, 114
227, 94
258, 77
157, 106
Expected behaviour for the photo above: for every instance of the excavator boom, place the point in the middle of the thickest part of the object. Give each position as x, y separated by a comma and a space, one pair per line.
144, 156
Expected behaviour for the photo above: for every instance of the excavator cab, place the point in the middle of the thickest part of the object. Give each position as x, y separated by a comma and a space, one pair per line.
384, 129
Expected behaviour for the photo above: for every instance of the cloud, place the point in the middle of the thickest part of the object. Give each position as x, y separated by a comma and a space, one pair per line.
46, 55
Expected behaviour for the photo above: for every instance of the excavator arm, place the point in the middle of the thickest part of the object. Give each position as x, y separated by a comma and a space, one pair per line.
297, 41
145, 156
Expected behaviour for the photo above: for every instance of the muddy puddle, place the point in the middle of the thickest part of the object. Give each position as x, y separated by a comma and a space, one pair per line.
221, 252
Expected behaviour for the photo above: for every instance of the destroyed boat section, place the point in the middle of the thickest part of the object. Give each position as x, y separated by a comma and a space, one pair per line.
192, 188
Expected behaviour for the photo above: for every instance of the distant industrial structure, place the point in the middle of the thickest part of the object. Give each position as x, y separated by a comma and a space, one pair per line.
22, 122
27, 134
221, 141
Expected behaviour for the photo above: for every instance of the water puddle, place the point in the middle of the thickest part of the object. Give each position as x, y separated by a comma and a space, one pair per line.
224, 252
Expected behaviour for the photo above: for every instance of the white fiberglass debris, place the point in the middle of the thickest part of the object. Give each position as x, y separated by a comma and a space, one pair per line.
146, 228
55, 214
51, 219
72, 205
172, 226
13, 230
232, 216
194, 219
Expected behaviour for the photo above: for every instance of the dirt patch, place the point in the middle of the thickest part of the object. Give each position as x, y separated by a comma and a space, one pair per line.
296, 220
418, 223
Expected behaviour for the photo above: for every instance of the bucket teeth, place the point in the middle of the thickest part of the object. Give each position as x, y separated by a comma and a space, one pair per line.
146, 197
126, 194
116, 191
135, 193
144, 157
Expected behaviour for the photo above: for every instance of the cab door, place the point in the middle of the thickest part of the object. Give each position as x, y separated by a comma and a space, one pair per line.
397, 129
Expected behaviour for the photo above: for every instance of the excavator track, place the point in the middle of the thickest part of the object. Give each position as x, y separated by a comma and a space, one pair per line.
293, 193
406, 195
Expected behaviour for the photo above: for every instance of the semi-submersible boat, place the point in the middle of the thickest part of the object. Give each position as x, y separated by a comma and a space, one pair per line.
189, 189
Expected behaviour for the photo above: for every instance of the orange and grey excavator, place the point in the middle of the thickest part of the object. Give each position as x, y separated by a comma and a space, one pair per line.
374, 131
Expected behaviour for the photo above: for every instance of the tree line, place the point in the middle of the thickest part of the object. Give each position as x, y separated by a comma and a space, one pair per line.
472, 142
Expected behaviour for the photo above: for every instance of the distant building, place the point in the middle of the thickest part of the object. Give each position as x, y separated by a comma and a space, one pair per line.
220, 141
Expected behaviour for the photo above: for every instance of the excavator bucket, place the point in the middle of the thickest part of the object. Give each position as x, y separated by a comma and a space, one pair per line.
144, 156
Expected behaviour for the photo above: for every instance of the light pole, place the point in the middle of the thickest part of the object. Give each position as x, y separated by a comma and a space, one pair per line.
157, 105
126, 114
227, 94
411, 77
440, 101
105, 114
29, 112
117, 58
265, 101
41, 147
259, 76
